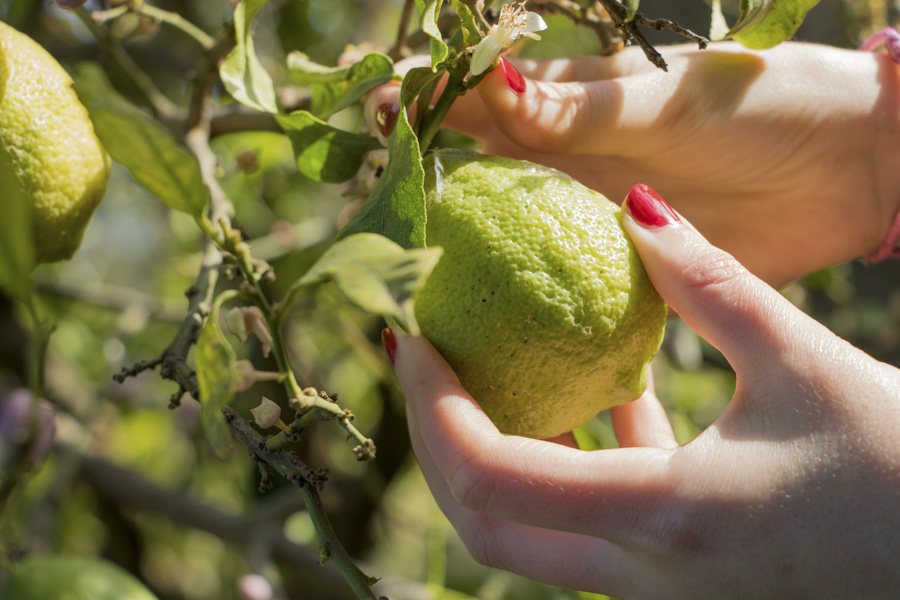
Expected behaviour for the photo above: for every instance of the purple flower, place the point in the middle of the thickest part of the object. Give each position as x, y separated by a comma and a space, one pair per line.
28, 424
889, 38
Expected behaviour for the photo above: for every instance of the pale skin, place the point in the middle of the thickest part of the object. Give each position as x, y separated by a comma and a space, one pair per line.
794, 491
785, 158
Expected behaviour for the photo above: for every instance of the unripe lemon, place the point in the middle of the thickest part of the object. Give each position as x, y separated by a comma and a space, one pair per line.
71, 577
50, 142
540, 302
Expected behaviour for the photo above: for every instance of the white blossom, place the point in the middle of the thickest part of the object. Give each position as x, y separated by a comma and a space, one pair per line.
514, 22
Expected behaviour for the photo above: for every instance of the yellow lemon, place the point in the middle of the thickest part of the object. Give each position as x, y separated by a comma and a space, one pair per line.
540, 302
50, 142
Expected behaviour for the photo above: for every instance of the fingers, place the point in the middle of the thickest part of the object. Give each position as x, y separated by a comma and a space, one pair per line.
518, 479
643, 423
570, 106
552, 557
748, 321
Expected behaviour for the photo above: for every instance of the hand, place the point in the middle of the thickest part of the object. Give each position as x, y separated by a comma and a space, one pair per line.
794, 492
786, 158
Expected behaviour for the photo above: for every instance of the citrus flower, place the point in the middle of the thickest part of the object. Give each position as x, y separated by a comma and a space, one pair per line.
514, 22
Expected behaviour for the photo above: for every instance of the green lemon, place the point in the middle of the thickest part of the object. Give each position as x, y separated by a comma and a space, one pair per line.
540, 302
71, 577
47, 135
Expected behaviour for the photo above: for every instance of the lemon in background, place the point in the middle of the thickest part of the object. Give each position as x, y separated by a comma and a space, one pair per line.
50, 142
540, 302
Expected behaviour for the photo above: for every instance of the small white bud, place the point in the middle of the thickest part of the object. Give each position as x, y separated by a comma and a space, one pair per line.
267, 414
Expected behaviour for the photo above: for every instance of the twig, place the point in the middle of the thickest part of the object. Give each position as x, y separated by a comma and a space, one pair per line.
161, 106
113, 297
400, 47
308, 481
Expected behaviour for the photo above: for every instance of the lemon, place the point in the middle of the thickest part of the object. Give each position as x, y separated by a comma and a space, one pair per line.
71, 577
49, 139
540, 302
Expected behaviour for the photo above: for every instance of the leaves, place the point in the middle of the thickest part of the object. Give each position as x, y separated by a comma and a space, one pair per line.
430, 11
336, 88
375, 274
632, 6
763, 23
470, 33
142, 145
16, 246
325, 153
217, 380
241, 72
396, 206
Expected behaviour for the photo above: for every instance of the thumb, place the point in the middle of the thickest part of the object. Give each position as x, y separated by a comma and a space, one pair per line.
742, 316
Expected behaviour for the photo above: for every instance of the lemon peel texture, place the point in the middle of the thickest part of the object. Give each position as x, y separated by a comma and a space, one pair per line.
540, 302
50, 141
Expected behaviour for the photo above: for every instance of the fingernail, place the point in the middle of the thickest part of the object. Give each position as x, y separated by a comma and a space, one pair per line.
649, 209
386, 116
390, 343
513, 78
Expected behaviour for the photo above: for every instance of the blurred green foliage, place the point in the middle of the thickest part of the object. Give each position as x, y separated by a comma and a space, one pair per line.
120, 300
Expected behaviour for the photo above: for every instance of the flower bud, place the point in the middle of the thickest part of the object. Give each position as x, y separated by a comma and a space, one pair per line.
267, 414
255, 587
246, 320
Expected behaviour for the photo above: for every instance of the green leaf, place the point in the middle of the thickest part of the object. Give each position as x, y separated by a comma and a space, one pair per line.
16, 247
376, 274
336, 88
430, 11
396, 206
241, 72
325, 153
763, 23
632, 6
471, 34
217, 379
142, 145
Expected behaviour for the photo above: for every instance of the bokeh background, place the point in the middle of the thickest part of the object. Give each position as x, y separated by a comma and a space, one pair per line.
134, 481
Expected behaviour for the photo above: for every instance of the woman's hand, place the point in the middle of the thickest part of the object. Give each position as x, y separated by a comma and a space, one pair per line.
794, 492
787, 158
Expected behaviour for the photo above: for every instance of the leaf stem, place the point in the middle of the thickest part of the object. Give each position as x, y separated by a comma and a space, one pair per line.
451, 92
177, 21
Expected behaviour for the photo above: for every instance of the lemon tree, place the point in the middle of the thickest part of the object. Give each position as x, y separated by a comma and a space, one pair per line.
51, 145
540, 303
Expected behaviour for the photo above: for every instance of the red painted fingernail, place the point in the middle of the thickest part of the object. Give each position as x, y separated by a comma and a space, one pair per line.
386, 116
390, 343
513, 78
649, 209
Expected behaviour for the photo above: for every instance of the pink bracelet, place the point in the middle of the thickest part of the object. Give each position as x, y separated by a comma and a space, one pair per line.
890, 39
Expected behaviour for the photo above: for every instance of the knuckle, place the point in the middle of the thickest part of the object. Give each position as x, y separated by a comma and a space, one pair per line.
471, 484
713, 270
481, 541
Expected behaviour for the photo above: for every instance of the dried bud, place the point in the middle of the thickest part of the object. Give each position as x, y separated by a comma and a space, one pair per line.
247, 320
246, 375
236, 324
267, 414
255, 587
255, 323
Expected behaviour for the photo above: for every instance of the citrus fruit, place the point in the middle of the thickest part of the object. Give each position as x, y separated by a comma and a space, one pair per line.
50, 142
71, 577
540, 302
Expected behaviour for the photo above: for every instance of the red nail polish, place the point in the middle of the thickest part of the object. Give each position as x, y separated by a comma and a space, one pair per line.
386, 116
513, 78
649, 209
390, 343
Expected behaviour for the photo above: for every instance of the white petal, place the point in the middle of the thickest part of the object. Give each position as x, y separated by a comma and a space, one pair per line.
533, 22
486, 52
